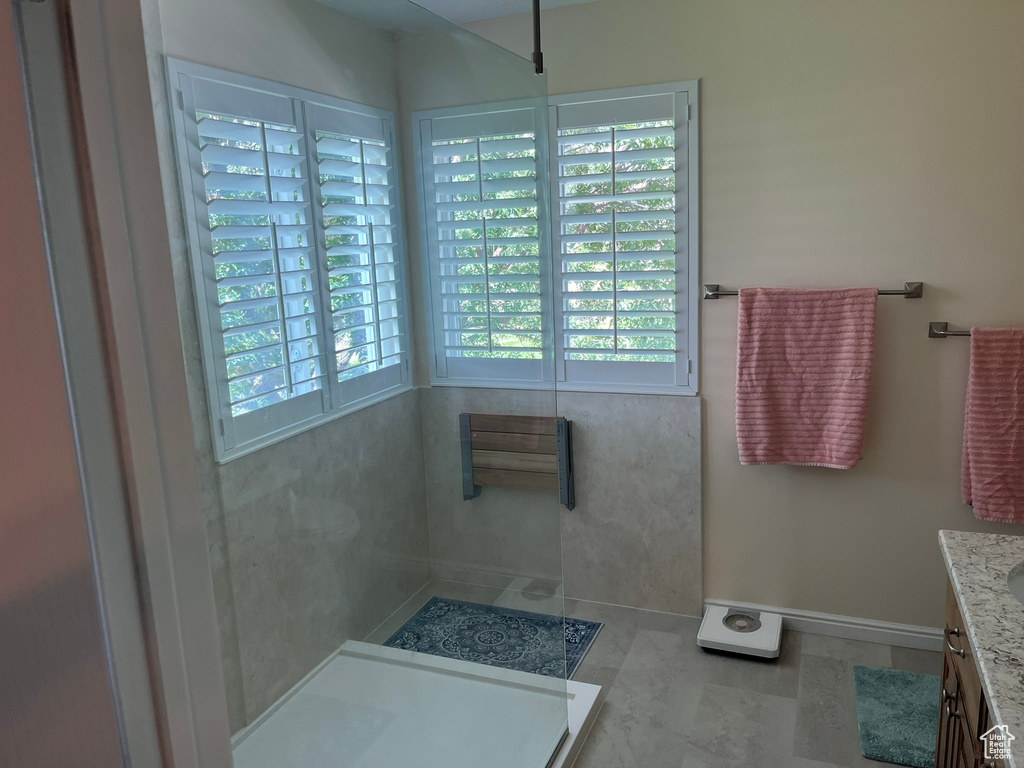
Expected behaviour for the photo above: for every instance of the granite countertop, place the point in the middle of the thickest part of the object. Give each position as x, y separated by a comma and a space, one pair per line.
978, 565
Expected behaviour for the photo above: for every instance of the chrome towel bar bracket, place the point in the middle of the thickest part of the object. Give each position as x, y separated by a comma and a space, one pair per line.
941, 331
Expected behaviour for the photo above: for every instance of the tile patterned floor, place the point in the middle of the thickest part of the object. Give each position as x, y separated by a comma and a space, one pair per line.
669, 704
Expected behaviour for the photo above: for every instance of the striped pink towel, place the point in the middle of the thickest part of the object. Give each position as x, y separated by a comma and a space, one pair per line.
993, 468
803, 375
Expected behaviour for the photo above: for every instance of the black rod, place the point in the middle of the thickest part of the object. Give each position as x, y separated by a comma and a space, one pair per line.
538, 55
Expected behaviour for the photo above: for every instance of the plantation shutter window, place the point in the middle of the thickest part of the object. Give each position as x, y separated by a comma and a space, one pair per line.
624, 172
291, 214
481, 176
604, 278
358, 196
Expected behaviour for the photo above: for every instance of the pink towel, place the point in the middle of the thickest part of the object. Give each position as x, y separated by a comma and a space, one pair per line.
993, 468
803, 375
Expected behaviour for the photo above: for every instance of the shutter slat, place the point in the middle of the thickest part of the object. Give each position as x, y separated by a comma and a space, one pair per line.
621, 134
377, 174
596, 257
644, 235
373, 153
621, 156
255, 279
242, 304
483, 205
252, 351
496, 279
511, 221
251, 328
596, 178
627, 352
352, 189
590, 295
620, 313
228, 130
621, 216
609, 332
247, 182
356, 209
483, 348
217, 154
243, 257
448, 262
490, 241
619, 198
506, 315
469, 168
621, 275
356, 229
506, 146
246, 233
225, 207
490, 186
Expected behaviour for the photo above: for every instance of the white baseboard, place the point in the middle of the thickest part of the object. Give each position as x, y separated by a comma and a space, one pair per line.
849, 627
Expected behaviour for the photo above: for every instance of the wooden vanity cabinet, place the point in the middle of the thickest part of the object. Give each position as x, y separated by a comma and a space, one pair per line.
963, 711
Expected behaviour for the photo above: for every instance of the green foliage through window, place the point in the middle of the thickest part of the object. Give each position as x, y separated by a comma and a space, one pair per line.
617, 206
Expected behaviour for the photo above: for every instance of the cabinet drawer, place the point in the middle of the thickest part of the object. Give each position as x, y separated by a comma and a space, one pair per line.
959, 647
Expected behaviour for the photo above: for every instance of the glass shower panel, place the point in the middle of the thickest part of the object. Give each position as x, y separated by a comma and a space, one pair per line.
358, 204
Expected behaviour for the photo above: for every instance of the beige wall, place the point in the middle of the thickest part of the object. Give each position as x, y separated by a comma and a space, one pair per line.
843, 143
299, 42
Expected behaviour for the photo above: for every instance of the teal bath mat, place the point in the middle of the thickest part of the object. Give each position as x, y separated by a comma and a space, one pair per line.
897, 715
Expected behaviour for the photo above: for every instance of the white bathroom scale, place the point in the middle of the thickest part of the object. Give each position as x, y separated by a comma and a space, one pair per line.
739, 630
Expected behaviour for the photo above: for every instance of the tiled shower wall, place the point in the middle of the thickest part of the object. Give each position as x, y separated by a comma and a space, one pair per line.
320, 537
634, 537
325, 535
314, 540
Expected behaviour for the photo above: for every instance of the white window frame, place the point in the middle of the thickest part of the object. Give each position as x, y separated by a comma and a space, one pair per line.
685, 372
481, 372
335, 399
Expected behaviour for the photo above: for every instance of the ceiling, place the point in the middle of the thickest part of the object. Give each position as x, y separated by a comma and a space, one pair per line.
461, 11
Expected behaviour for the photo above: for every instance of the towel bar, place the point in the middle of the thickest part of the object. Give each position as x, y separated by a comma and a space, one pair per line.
909, 291
941, 331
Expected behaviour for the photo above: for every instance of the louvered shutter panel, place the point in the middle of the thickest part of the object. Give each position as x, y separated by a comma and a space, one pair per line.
619, 170
257, 271
293, 215
480, 174
359, 198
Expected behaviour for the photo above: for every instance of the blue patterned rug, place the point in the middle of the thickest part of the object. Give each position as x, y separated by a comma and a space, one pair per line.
501, 637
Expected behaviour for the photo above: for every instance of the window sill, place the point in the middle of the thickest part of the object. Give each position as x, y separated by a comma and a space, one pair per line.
618, 389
